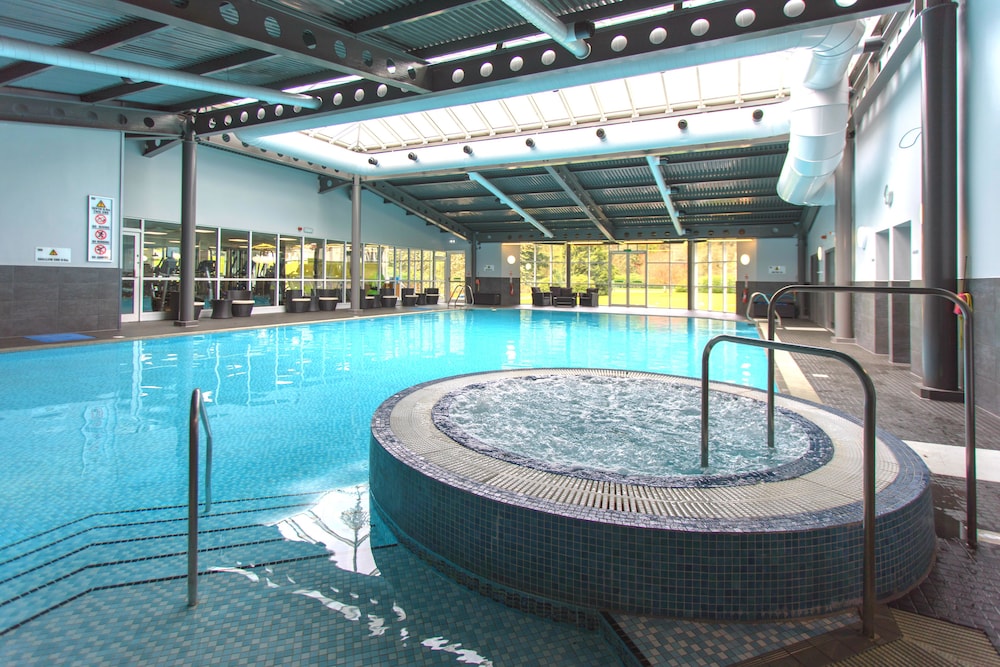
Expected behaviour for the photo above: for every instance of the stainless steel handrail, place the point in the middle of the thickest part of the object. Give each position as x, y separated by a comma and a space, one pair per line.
868, 510
971, 511
767, 300
460, 289
197, 410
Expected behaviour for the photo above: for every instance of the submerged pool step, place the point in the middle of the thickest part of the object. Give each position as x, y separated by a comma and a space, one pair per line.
268, 509
154, 547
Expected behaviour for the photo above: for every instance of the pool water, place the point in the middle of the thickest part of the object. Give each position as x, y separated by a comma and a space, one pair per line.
103, 427
604, 427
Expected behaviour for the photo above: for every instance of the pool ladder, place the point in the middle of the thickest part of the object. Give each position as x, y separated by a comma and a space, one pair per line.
194, 450
767, 300
460, 291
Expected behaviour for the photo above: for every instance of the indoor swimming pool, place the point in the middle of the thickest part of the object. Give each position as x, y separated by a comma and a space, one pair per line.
95, 472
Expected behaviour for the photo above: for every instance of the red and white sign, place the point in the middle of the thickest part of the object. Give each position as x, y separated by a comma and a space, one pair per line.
100, 228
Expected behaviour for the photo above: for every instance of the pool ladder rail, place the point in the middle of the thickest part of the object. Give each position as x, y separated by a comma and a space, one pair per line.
767, 302
460, 291
194, 450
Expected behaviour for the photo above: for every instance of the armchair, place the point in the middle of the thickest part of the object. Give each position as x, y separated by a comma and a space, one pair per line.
540, 298
589, 298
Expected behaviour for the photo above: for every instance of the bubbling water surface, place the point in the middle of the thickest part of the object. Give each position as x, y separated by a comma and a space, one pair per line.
609, 427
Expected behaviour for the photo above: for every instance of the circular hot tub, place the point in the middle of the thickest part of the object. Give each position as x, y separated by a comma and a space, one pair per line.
502, 511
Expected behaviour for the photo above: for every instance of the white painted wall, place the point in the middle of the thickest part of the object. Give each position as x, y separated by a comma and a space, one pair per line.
48, 172
980, 19
768, 253
238, 192
888, 165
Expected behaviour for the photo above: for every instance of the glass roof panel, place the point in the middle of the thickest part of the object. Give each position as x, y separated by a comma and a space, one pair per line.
525, 115
614, 98
723, 83
719, 81
682, 87
648, 92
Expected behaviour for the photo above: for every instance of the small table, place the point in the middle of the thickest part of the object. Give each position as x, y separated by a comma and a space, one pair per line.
409, 299
388, 302
222, 309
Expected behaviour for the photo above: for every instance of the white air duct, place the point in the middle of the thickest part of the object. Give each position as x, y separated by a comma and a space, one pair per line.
569, 37
479, 178
654, 166
819, 119
640, 136
55, 56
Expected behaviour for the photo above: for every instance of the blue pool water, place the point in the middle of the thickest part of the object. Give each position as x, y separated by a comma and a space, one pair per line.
103, 427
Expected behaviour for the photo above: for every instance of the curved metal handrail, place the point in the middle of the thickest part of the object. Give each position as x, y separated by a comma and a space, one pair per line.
971, 511
461, 289
868, 510
767, 300
197, 410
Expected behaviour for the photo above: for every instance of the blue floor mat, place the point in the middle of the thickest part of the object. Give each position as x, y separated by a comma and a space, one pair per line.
59, 337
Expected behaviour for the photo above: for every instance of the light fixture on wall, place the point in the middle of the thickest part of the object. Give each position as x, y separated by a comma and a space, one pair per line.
819, 253
511, 259
745, 259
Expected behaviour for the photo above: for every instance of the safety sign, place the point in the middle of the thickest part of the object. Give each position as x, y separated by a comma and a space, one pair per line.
100, 228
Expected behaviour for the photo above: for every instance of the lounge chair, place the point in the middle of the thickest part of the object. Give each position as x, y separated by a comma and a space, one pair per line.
563, 296
295, 302
326, 299
589, 298
540, 298
432, 295
242, 302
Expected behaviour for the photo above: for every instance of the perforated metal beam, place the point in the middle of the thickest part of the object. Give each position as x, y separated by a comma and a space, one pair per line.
62, 111
273, 30
671, 40
417, 207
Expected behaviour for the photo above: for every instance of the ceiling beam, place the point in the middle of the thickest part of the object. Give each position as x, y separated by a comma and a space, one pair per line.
90, 44
407, 14
572, 187
665, 42
286, 33
207, 67
483, 181
19, 107
417, 207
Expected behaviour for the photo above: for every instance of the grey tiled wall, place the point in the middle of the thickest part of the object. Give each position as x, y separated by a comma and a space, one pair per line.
54, 299
986, 330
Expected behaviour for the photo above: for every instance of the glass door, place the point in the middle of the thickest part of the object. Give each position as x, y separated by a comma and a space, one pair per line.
131, 264
628, 278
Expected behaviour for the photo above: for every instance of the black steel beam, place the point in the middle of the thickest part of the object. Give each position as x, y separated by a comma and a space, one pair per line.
417, 207
17, 106
284, 33
206, 67
501, 73
90, 44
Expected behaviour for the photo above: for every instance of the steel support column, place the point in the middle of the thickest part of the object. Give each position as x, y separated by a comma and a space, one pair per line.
356, 243
843, 225
185, 301
939, 227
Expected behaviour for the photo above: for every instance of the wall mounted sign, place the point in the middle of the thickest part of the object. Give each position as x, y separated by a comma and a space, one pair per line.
100, 228
52, 255
776, 270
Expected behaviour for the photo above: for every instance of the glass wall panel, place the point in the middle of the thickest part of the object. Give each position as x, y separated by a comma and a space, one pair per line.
336, 272
206, 270
439, 280
161, 251
264, 271
312, 265
234, 260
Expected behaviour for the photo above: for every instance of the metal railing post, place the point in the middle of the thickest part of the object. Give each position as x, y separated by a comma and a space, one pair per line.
971, 505
192, 546
868, 508
197, 410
